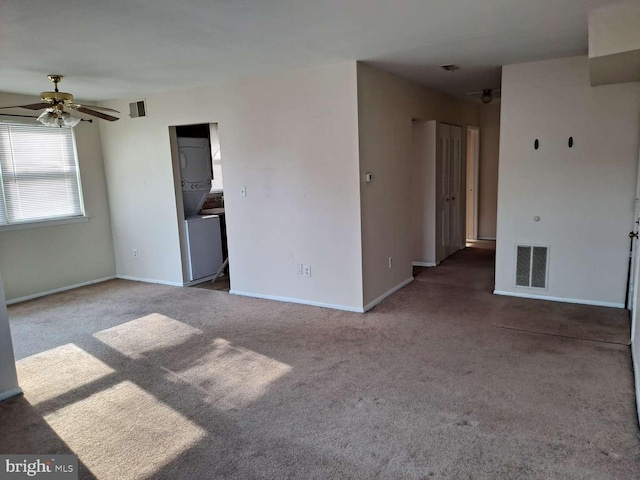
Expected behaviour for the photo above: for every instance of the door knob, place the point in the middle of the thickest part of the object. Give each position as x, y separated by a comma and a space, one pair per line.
453, 198
633, 235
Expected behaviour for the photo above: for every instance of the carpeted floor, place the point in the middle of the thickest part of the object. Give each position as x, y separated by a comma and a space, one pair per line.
442, 380
222, 284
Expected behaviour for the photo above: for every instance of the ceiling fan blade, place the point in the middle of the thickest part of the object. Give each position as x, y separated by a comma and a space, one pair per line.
94, 113
494, 91
33, 106
95, 107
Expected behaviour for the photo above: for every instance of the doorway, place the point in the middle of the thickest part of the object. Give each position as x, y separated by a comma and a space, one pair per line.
473, 168
197, 168
438, 191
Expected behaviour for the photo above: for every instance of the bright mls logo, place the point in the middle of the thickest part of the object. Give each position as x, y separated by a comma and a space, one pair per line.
49, 467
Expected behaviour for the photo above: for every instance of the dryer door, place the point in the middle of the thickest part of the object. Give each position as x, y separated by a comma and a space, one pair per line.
195, 163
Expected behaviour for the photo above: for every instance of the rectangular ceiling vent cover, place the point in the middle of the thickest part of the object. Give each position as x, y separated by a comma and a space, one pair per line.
532, 264
137, 109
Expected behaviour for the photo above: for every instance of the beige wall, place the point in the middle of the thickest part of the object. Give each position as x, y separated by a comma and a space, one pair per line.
583, 195
291, 139
488, 170
386, 106
36, 260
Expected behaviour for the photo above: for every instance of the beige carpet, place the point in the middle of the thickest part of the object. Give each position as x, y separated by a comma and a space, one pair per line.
442, 380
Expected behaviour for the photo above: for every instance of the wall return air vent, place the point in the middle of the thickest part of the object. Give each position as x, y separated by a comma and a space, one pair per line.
531, 266
137, 109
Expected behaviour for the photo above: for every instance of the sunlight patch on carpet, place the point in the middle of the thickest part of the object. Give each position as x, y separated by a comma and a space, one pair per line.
147, 334
233, 376
53, 373
124, 432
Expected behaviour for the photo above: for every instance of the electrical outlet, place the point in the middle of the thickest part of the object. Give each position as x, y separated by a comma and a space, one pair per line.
299, 266
306, 270
390, 262
243, 191
135, 253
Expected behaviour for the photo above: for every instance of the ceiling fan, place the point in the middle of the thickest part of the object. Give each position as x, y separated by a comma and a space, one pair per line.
58, 106
487, 95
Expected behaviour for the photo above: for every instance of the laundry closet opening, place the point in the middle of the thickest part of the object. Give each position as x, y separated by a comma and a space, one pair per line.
197, 168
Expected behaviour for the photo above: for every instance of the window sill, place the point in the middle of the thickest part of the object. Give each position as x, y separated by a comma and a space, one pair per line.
44, 223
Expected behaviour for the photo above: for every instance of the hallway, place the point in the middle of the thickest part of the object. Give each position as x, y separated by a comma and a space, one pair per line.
473, 269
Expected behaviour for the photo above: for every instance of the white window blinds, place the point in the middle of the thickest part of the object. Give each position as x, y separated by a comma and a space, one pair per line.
39, 174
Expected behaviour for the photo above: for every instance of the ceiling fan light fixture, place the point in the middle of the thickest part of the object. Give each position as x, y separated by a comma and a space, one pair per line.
487, 96
69, 120
52, 118
57, 105
47, 118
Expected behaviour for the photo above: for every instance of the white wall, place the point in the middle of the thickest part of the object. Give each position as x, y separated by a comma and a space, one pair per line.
292, 140
614, 29
583, 195
614, 44
42, 259
488, 169
424, 192
8, 376
386, 106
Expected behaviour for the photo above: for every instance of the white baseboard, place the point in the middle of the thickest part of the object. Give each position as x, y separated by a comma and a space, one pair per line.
58, 290
560, 299
345, 308
10, 393
636, 375
425, 264
487, 238
150, 280
372, 304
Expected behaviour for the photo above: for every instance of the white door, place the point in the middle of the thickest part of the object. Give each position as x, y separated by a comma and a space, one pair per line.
443, 175
455, 177
632, 303
635, 261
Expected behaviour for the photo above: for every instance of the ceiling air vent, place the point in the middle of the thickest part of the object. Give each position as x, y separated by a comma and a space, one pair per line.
450, 67
531, 266
137, 109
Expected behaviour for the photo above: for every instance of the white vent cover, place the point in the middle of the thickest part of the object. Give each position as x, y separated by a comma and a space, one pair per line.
531, 266
137, 109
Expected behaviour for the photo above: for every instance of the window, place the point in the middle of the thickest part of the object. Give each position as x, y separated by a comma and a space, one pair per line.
39, 177
216, 183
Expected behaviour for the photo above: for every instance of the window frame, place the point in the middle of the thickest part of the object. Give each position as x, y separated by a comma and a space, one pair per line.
53, 220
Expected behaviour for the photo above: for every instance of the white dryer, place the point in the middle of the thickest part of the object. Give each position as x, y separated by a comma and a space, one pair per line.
195, 172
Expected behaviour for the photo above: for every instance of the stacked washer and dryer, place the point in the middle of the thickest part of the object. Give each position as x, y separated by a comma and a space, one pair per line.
203, 234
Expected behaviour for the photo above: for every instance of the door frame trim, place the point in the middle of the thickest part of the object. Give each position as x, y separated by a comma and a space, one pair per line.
473, 235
